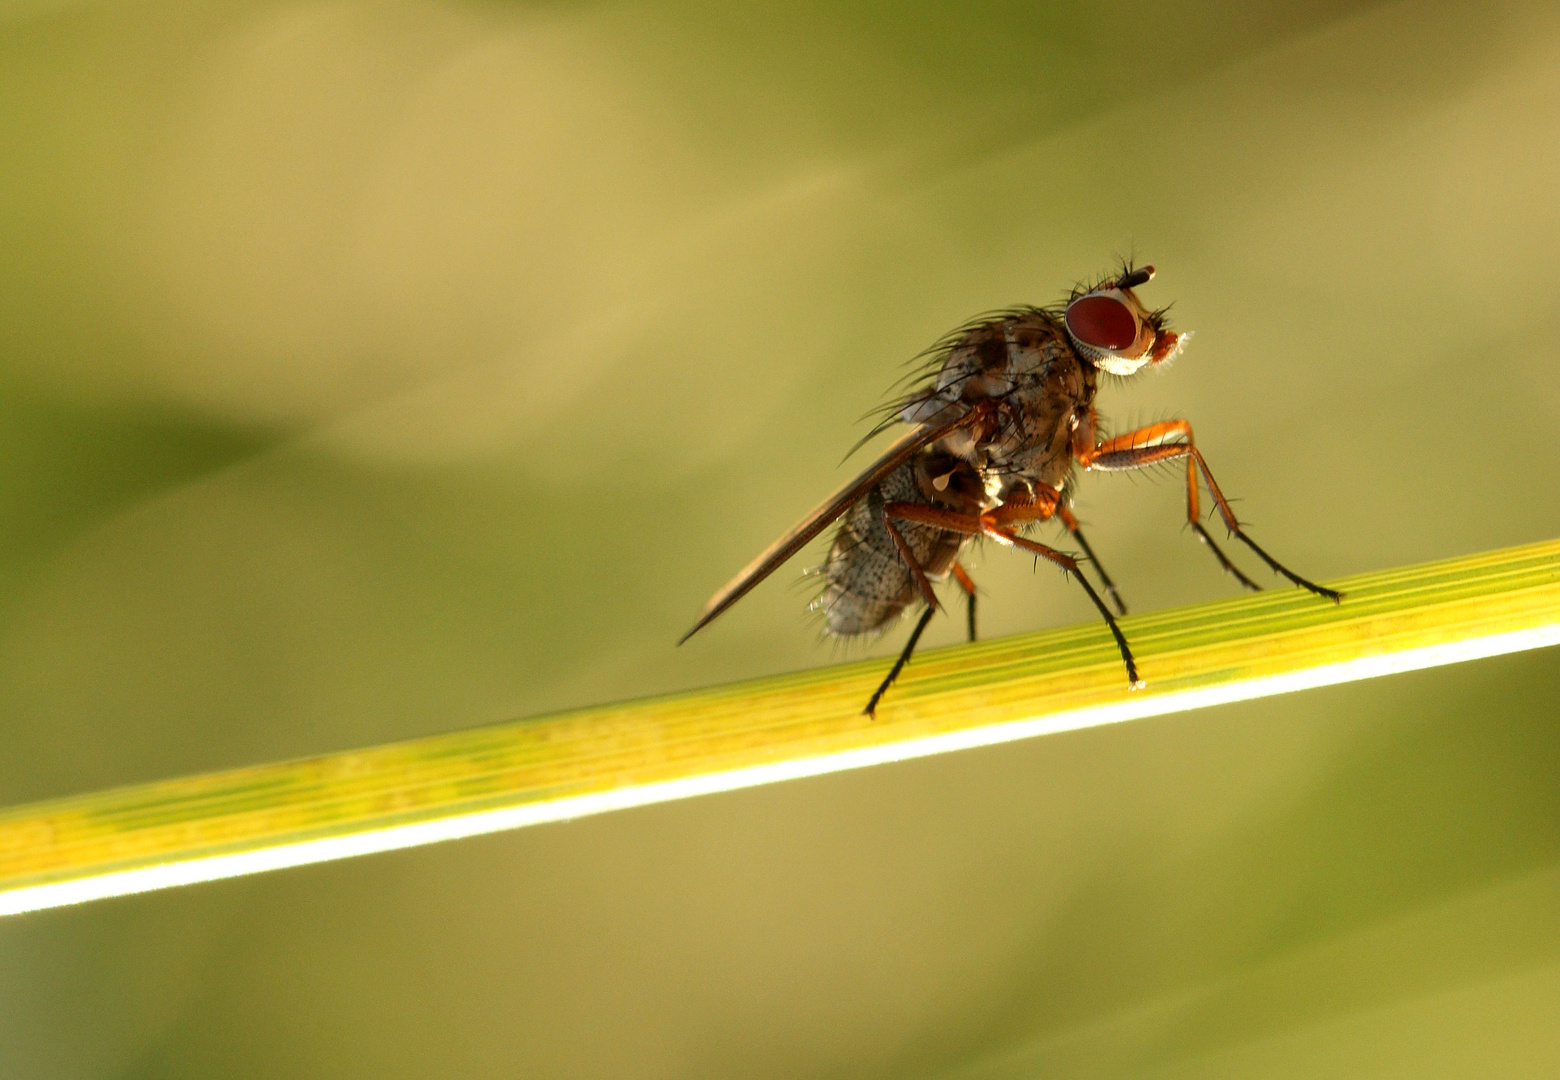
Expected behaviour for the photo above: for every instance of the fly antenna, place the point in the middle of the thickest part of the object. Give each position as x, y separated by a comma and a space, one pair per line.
1133, 278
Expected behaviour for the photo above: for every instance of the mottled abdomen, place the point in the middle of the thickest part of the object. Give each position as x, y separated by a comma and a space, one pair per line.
866, 583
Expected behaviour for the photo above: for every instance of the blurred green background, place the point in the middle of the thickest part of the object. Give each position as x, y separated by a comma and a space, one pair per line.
375, 369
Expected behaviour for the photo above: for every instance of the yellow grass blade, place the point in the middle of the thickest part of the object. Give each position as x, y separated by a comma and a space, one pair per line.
265, 817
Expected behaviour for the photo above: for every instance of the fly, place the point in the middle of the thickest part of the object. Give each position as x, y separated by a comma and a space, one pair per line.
1002, 422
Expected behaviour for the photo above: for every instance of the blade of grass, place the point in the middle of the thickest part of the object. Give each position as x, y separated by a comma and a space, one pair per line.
265, 817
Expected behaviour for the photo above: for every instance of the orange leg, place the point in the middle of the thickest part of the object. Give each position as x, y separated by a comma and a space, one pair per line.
968, 585
1069, 564
1149, 446
1110, 586
1048, 502
1040, 506
987, 525
925, 587
921, 581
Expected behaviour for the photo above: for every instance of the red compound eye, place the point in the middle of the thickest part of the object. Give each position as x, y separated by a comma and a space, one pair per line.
1102, 321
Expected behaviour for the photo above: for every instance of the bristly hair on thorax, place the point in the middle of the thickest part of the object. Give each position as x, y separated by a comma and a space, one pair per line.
919, 382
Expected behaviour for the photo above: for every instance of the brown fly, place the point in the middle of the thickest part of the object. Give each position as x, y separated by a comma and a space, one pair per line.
1003, 419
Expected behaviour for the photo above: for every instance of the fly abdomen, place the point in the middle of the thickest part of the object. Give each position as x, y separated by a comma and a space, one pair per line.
867, 584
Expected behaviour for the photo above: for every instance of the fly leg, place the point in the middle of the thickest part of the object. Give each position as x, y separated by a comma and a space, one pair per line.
1047, 501
993, 524
1072, 526
899, 665
968, 585
1070, 565
924, 585
895, 510
1149, 446
1141, 448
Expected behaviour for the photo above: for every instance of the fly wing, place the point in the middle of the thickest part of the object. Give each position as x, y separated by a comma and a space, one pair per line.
770, 559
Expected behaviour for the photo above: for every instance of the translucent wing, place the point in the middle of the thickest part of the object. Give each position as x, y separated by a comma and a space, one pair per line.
770, 559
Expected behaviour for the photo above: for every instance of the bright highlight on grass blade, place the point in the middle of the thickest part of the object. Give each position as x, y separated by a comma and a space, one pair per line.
267, 817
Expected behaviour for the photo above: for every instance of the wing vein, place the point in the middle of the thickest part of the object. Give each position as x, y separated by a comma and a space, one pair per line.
799, 535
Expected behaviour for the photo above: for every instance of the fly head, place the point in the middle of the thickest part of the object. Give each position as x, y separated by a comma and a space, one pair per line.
1111, 329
